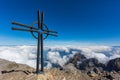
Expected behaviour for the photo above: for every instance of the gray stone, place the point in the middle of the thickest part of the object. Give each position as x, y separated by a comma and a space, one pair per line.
96, 70
92, 74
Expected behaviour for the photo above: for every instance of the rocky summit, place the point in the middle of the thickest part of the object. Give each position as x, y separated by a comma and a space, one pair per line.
13, 71
77, 68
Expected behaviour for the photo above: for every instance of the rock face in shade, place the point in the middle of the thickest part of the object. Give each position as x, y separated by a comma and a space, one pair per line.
90, 64
77, 59
113, 65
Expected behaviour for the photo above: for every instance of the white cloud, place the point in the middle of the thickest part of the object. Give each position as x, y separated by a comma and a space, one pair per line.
57, 54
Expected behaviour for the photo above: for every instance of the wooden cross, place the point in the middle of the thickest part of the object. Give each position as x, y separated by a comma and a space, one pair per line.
40, 30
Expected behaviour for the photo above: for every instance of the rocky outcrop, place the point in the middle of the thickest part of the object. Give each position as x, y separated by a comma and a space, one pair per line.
82, 63
113, 65
13, 71
77, 59
96, 70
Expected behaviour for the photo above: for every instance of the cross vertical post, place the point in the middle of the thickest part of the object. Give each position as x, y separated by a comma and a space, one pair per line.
38, 45
38, 54
42, 57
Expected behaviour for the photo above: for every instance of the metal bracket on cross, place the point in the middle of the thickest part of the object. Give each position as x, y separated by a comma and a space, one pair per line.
40, 30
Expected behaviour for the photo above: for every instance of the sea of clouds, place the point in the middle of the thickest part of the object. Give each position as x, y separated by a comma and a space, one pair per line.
57, 55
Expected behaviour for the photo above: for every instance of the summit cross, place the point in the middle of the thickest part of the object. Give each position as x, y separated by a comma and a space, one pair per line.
41, 30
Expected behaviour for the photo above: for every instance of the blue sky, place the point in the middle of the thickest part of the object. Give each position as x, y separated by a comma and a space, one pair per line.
82, 21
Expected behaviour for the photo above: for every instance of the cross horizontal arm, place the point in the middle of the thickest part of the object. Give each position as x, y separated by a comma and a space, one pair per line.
50, 31
24, 29
24, 25
44, 32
